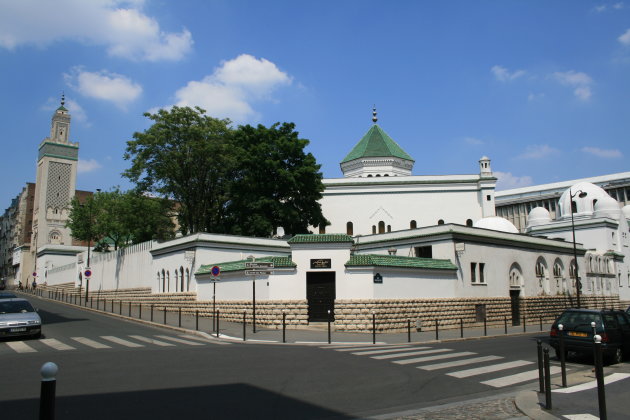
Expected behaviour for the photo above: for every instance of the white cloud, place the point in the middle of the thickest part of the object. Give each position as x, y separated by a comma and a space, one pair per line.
232, 88
503, 75
535, 96
600, 9
581, 82
618, 6
474, 141
119, 25
89, 165
103, 85
77, 111
625, 38
603, 153
508, 181
538, 152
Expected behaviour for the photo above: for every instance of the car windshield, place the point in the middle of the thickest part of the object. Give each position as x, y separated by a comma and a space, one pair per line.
15, 307
580, 321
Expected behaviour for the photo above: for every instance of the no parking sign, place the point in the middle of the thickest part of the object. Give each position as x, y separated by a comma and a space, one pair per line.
87, 273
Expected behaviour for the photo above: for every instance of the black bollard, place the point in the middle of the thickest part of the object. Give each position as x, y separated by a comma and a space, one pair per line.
140, 311
197, 320
244, 325
47, 394
179, 324
120, 307
541, 323
165, 315
547, 379
151, 312
329, 326
217, 323
485, 326
284, 326
563, 366
408, 331
91, 302
524, 326
505, 324
437, 330
461, 327
599, 374
373, 327
541, 375
129, 309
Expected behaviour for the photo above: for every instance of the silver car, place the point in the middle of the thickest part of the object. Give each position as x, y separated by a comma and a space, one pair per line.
17, 317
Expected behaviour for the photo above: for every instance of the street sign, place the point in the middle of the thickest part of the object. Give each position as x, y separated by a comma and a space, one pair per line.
87, 273
258, 265
257, 272
34, 273
215, 271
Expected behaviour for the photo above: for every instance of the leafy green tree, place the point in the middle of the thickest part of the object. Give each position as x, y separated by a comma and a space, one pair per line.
276, 183
185, 156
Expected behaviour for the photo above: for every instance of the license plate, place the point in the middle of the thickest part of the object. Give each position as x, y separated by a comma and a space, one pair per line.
577, 334
22, 329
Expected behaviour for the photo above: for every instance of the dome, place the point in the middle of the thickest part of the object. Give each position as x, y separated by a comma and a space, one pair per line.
584, 204
496, 223
607, 207
626, 211
538, 216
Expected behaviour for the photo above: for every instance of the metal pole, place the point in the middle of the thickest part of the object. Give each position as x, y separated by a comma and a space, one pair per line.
578, 284
547, 379
485, 326
180, 317
563, 366
329, 326
47, 392
599, 374
461, 327
408, 331
541, 323
244, 325
541, 375
214, 302
165, 315
524, 324
130, 309
373, 327
437, 330
505, 324
197, 320
140, 311
284, 326
217, 324
151, 312
254, 305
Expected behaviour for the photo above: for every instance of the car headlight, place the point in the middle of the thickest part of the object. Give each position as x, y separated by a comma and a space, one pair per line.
34, 322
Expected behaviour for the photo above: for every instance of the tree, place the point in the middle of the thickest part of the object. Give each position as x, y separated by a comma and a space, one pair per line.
185, 156
276, 182
120, 218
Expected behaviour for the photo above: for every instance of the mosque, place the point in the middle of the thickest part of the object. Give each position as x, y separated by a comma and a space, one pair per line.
435, 246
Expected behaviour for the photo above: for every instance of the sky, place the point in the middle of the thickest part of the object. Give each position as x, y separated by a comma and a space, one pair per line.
541, 88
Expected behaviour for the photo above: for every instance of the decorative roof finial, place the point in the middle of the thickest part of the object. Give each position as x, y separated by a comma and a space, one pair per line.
374, 119
63, 98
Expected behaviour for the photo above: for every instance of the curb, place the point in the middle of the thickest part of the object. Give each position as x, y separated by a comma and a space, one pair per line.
527, 402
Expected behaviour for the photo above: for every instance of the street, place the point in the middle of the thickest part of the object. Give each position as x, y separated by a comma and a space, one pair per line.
111, 368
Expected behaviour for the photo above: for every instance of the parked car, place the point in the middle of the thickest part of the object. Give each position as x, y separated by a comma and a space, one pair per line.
17, 317
7, 295
612, 325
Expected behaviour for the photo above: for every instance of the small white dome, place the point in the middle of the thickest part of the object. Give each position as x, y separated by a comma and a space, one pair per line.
538, 216
591, 194
496, 223
607, 207
626, 211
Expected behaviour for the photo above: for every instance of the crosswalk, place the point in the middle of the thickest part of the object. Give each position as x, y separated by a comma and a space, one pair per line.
491, 370
103, 342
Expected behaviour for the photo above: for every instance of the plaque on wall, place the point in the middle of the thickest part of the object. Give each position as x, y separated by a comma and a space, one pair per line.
320, 263
378, 278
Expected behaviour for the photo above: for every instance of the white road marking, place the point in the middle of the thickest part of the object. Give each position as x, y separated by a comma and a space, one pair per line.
519, 377
487, 369
179, 340
459, 362
91, 343
21, 347
580, 416
354, 348
614, 377
410, 353
121, 341
429, 358
390, 350
56, 344
152, 341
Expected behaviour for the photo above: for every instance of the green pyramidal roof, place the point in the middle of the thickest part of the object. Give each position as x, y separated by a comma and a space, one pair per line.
376, 143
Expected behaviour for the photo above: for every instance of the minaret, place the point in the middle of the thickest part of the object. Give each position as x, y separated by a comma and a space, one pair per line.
55, 183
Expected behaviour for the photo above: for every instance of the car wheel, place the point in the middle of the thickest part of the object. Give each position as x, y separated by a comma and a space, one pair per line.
616, 357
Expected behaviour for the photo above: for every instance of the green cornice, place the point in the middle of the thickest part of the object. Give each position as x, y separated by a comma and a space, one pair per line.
376, 260
450, 181
58, 144
231, 266
321, 238
59, 157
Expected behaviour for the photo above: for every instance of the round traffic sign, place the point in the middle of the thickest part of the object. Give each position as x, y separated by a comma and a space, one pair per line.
216, 270
34, 273
87, 273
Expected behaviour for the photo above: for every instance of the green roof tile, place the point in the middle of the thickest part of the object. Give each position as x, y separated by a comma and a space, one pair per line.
376, 143
278, 262
321, 238
395, 261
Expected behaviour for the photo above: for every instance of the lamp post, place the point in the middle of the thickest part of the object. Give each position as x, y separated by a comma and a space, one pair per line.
578, 283
87, 278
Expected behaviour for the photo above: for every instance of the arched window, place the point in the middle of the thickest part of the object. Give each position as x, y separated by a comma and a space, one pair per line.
515, 276
322, 229
378, 175
558, 272
349, 228
176, 279
181, 278
369, 176
440, 222
541, 273
168, 281
163, 281
389, 228
469, 222
413, 225
381, 227
187, 280
373, 229
158, 281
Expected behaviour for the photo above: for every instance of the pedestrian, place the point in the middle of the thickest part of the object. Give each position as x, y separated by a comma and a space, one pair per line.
34, 284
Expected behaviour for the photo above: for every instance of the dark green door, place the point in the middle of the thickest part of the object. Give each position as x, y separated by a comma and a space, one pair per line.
320, 293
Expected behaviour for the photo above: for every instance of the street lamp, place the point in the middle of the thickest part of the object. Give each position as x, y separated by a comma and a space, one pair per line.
578, 284
87, 278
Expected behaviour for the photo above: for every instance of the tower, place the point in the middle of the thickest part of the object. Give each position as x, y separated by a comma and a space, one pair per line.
55, 183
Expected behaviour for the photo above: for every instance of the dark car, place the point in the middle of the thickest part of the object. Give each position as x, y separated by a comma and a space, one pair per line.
612, 325
17, 317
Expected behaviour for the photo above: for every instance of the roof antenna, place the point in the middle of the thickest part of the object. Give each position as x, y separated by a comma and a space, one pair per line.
374, 119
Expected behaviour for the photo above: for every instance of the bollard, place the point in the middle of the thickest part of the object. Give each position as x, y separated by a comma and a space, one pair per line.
120, 307
408, 331
329, 326
129, 309
217, 323
505, 324
541, 323
524, 324
197, 320
284, 326
461, 327
437, 330
112, 305
165, 315
563, 366
373, 327
547, 379
151, 312
140, 311
599, 374
91, 302
485, 326
244, 325
47, 394
541, 376
180, 317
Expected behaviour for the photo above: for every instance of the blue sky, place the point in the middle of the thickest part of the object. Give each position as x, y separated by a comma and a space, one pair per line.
542, 88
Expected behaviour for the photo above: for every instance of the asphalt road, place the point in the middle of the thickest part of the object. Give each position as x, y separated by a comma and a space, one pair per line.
162, 377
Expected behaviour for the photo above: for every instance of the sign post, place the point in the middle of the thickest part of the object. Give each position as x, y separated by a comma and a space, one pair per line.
262, 268
216, 272
87, 273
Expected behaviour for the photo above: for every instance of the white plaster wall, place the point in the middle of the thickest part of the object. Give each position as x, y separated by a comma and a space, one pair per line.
407, 284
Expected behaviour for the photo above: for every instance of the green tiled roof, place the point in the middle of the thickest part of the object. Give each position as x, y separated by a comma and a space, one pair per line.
62, 108
321, 238
376, 143
395, 261
278, 262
